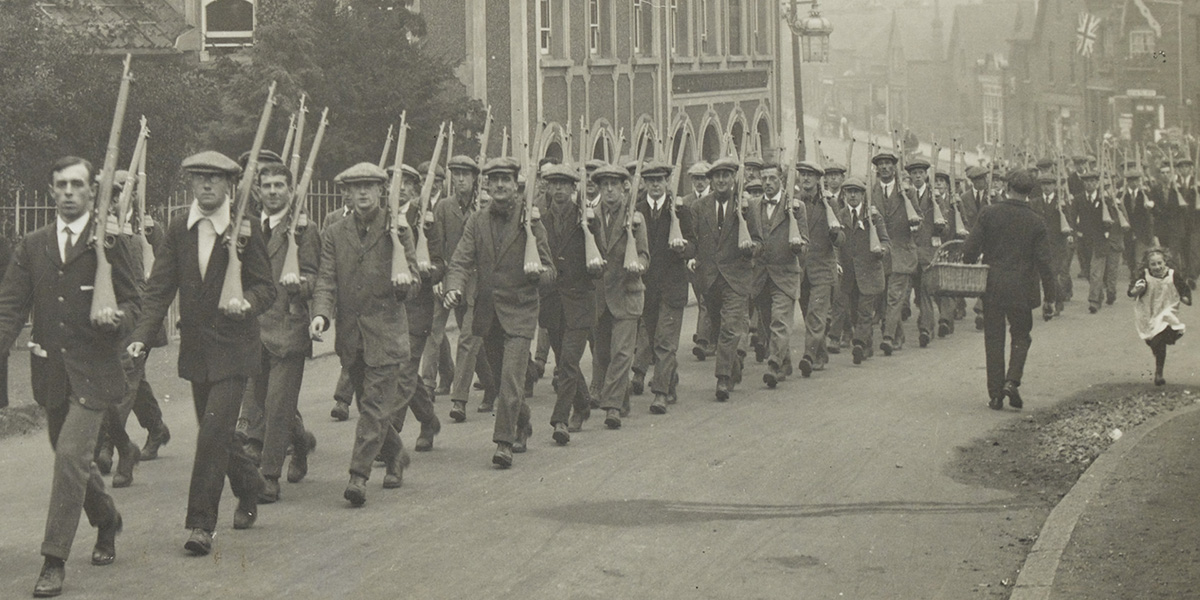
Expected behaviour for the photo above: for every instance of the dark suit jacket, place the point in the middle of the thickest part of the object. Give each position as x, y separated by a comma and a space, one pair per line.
1140, 218
903, 256
667, 277
1012, 240
504, 295
62, 294
419, 303
776, 261
923, 236
355, 281
449, 220
717, 251
570, 303
821, 258
973, 201
621, 292
212, 346
284, 325
859, 265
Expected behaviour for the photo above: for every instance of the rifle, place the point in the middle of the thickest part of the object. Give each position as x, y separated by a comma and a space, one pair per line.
401, 275
231, 289
533, 259
745, 242
483, 145
503, 142
795, 237
1060, 184
850, 157
449, 155
104, 296
872, 234
960, 225
295, 165
632, 264
675, 235
592, 257
291, 134
910, 211
939, 219
291, 259
387, 147
424, 263
1105, 215
143, 218
126, 197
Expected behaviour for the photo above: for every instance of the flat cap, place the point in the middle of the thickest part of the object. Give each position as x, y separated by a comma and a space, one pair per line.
976, 171
264, 156
423, 168
502, 164
610, 171
1132, 172
560, 172
727, 163
834, 167
700, 169
884, 155
942, 174
405, 170
854, 183
1045, 163
211, 161
809, 167
656, 168
463, 162
1044, 177
1089, 175
593, 164
363, 172
754, 161
754, 186
917, 163
1184, 162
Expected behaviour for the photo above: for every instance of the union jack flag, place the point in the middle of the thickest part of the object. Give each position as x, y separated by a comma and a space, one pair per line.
1085, 35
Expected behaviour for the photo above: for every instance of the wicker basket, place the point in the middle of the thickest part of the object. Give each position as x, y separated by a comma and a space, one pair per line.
947, 275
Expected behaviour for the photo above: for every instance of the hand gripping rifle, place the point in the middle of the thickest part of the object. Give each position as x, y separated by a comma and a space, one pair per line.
872, 234
675, 234
104, 297
291, 259
594, 260
231, 289
401, 275
533, 259
632, 263
424, 262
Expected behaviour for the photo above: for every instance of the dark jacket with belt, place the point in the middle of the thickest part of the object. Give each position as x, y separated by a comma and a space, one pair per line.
60, 295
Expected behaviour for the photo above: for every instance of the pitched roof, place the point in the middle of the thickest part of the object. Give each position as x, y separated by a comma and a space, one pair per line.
982, 29
140, 26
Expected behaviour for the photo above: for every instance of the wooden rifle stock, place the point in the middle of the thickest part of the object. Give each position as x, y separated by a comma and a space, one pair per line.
631, 251
117, 223
294, 166
675, 234
533, 259
401, 274
291, 259
449, 155
744, 239
910, 211
104, 296
147, 249
483, 145
873, 243
591, 252
231, 288
424, 262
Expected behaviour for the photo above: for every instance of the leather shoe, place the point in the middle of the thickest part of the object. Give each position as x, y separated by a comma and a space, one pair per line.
50, 580
1014, 397
637, 385
340, 411
428, 430
356, 491
561, 436
270, 493
806, 367
503, 457
996, 403
105, 550
886, 346
771, 377
523, 434
923, 339
128, 460
943, 329
154, 441
246, 512
458, 411
612, 418
1159, 380
297, 466
575, 422
104, 460
199, 543
394, 476
659, 405
858, 354
722, 389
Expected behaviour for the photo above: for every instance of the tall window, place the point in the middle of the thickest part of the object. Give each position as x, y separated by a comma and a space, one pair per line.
544, 26
673, 26
706, 37
1141, 43
594, 42
735, 27
643, 26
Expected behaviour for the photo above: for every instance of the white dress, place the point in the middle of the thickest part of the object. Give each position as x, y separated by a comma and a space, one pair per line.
1156, 309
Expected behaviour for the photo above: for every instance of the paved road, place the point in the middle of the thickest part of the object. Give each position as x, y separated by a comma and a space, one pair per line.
824, 488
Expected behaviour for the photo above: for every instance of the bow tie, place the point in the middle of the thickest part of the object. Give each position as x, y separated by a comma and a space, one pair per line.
772, 201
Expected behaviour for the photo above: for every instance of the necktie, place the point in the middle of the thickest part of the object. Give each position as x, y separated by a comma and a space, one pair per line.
720, 215
267, 229
206, 238
66, 249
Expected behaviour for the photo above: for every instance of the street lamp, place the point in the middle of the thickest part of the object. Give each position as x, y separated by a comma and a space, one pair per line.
810, 43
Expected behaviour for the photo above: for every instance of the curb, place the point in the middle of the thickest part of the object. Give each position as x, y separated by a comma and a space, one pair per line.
1036, 578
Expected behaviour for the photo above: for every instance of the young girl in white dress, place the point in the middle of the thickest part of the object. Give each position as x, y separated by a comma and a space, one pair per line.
1158, 293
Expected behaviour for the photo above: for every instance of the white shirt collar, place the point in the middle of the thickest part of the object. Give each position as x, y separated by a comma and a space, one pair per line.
220, 218
777, 197
274, 219
75, 226
920, 191
657, 203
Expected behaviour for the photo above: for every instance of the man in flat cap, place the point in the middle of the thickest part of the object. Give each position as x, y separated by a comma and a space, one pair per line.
619, 291
863, 271
724, 269
75, 359
1100, 222
927, 237
355, 282
437, 359
1139, 207
220, 345
666, 282
1011, 239
567, 308
778, 269
1187, 197
506, 297
449, 222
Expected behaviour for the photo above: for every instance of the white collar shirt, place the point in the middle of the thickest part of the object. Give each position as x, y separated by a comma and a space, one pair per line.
74, 227
211, 226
